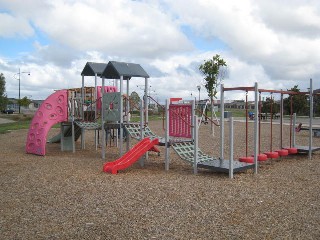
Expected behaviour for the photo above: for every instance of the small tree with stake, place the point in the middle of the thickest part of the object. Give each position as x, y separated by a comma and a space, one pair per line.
213, 74
3, 96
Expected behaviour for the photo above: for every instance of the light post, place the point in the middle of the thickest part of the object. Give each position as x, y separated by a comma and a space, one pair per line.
199, 106
199, 88
19, 78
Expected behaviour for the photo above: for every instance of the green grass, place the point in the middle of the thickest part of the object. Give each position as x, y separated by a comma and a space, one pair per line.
235, 113
21, 122
6, 127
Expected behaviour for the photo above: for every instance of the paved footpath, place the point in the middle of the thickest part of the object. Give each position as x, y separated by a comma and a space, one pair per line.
5, 120
286, 121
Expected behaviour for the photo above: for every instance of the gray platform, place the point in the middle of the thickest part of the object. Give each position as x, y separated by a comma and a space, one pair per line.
223, 166
305, 149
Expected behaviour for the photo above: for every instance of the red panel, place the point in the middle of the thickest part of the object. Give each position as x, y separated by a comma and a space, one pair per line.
180, 121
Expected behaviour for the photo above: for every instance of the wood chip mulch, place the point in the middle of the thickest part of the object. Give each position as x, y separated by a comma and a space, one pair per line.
65, 195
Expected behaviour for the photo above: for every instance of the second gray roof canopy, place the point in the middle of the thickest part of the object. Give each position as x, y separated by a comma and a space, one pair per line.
115, 69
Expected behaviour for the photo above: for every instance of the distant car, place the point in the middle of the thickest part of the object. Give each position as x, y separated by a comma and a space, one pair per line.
8, 111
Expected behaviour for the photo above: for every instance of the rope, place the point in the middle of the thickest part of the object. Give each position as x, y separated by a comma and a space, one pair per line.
205, 115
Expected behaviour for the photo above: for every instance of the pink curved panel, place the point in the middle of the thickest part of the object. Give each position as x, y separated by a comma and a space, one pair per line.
106, 89
52, 111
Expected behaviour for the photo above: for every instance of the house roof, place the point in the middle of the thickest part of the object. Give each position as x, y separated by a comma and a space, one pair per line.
114, 70
92, 68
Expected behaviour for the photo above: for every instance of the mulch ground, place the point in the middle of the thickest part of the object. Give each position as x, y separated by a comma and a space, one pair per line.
65, 195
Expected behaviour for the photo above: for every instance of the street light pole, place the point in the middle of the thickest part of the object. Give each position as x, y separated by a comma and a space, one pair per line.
19, 78
199, 88
19, 91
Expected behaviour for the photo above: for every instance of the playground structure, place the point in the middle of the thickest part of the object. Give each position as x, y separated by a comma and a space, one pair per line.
283, 150
182, 133
85, 108
101, 108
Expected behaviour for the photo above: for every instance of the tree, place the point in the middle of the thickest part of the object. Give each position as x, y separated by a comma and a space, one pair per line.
211, 69
3, 96
299, 103
24, 102
316, 102
267, 104
134, 100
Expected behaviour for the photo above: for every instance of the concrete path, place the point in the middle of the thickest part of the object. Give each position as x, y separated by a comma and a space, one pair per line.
5, 120
286, 121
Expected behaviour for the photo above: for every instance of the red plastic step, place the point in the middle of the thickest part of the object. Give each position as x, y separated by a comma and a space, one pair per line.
282, 152
272, 154
261, 157
247, 159
292, 150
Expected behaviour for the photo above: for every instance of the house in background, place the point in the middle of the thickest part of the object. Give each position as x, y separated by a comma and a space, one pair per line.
32, 108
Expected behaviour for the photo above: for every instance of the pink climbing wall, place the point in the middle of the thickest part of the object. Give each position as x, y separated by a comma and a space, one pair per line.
106, 89
180, 121
52, 111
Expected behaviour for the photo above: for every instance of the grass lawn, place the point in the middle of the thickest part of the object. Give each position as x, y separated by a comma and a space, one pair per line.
20, 122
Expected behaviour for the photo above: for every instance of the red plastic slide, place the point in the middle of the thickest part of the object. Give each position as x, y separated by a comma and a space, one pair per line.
130, 157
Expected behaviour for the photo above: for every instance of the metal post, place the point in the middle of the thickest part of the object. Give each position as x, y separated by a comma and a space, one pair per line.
146, 101
294, 130
311, 119
199, 88
231, 148
192, 117
256, 127
95, 111
19, 79
127, 102
121, 116
103, 131
127, 114
222, 122
167, 160
141, 161
19, 90
72, 127
195, 150
83, 98
281, 120
61, 137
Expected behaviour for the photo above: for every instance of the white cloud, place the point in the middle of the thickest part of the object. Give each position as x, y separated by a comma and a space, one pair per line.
278, 45
274, 43
136, 29
301, 20
14, 26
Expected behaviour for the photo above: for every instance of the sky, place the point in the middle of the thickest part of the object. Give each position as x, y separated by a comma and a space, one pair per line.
274, 43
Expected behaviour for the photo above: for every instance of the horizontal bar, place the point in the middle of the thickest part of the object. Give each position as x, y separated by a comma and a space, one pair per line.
239, 88
265, 90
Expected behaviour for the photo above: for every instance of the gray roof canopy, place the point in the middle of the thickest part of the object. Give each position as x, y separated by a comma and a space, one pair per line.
92, 68
116, 69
